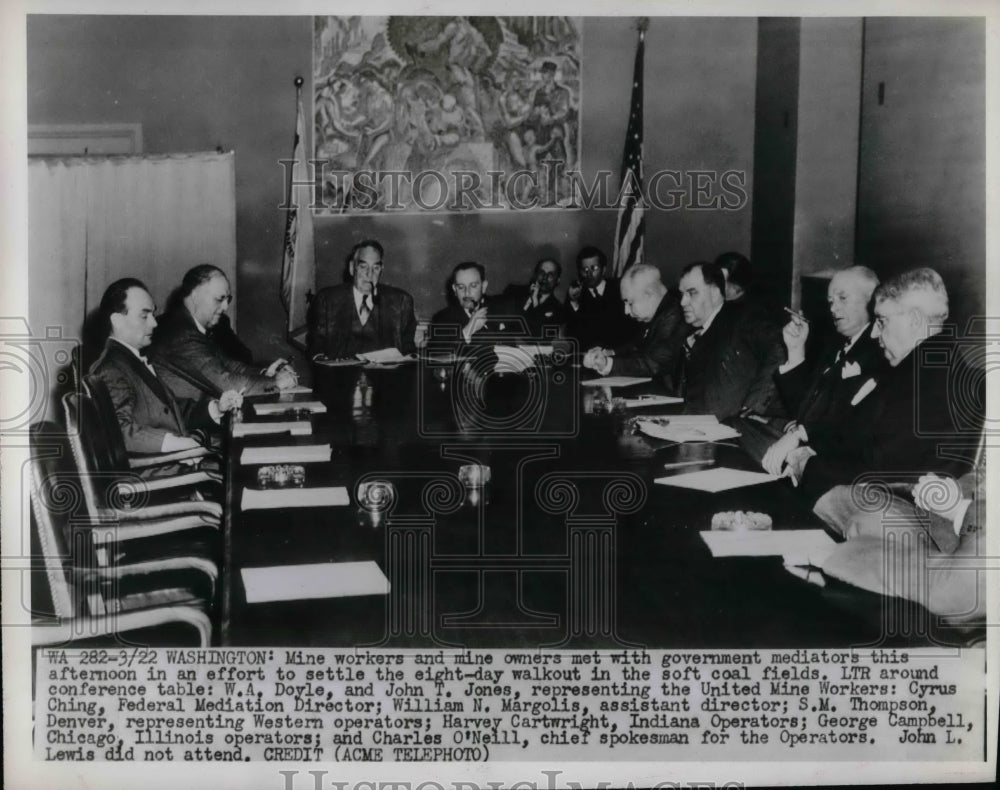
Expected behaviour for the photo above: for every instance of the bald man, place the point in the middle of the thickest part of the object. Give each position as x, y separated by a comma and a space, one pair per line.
819, 392
658, 349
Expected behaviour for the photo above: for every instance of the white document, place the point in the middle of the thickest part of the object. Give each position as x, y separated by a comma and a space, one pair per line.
292, 454
536, 350
297, 389
336, 363
615, 381
651, 400
721, 478
384, 356
313, 406
323, 580
295, 427
796, 546
254, 499
686, 431
512, 359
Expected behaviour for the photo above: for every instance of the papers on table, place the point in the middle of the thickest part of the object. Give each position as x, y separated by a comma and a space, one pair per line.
292, 454
294, 497
651, 400
295, 427
385, 356
323, 580
686, 428
512, 359
536, 349
714, 480
297, 389
615, 381
336, 363
313, 406
796, 546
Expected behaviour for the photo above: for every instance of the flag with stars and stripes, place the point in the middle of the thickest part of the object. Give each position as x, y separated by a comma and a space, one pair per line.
631, 225
298, 264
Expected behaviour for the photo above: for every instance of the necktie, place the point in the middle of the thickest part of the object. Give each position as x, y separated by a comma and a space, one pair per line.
146, 362
593, 293
366, 309
692, 339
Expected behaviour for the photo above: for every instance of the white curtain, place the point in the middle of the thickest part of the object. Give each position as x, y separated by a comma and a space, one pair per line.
92, 220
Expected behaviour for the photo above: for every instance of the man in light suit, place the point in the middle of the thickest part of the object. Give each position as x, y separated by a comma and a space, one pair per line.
151, 418
656, 352
193, 363
729, 361
595, 315
363, 315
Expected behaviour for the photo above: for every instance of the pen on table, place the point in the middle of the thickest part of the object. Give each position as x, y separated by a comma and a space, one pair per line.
795, 314
679, 464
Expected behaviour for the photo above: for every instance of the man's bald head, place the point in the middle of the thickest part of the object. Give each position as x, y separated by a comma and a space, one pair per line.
642, 291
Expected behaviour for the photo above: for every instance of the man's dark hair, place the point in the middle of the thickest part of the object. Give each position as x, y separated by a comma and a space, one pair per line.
538, 265
114, 298
738, 267
198, 275
591, 252
711, 273
366, 243
465, 266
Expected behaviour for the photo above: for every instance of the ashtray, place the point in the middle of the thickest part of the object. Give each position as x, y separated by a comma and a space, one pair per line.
281, 476
376, 496
739, 521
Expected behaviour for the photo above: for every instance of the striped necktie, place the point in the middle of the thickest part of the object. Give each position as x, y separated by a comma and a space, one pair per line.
366, 309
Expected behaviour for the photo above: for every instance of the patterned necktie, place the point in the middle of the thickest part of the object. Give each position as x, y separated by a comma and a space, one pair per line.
366, 309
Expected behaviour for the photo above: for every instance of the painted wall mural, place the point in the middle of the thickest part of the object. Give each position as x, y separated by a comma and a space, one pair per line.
446, 113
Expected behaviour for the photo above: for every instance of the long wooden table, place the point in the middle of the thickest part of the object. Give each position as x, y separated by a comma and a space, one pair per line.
572, 544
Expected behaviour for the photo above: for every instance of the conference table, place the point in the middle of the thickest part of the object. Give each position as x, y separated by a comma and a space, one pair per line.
571, 543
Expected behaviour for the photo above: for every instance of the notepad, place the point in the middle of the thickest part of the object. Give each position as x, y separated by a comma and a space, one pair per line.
322, 580
615, 381
686, 431
651, 400
294, 497
292, 454
719, 479
796, 546
313, 406
295, 427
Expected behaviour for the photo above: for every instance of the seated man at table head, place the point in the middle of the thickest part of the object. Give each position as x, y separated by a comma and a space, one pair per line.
151, 418
657, 349
364, 314
729, 361
819, 392
595, 315
191, 360
537, 301
903, 415
472, 315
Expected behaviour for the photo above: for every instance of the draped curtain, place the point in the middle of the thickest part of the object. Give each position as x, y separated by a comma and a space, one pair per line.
92, 220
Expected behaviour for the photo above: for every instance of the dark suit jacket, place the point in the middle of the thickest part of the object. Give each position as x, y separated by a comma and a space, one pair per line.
900, 426
333, 310
193, 364
601, 320
550, 313
658, 349
147, 410
731, 366
503, 324
818, 395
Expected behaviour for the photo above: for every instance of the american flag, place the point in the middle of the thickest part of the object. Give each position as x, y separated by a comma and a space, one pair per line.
631, 213
298, 265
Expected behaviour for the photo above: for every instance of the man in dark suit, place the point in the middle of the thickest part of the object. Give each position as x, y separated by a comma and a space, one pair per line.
595, 315
190, 360
473, 318
151, 418
537, 301
658, 349
818, 392
906, 419
729, 361
363, 315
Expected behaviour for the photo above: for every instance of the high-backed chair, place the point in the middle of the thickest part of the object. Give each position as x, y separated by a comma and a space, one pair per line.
90, 599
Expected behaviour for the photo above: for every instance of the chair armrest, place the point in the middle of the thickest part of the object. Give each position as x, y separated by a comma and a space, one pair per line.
128, 489
123, 531
187, 508
74, 629
206, 566
159, 459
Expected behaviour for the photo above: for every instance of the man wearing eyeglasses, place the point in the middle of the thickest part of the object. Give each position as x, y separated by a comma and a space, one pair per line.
596, 315
918, 414
362, 315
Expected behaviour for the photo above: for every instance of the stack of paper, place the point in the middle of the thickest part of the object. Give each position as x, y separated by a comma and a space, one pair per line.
323, 580
298, 428
385, 356
686, 430
512, 359
719, 479
330, 496
313, 406
297, 389
536, 349
292, 454
651, 400
615, 381
336, 363
796, 546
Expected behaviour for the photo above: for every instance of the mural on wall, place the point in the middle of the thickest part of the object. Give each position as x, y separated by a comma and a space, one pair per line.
445, 113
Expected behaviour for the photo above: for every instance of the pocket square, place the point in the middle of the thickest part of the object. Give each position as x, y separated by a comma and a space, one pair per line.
850, 370
862, 393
